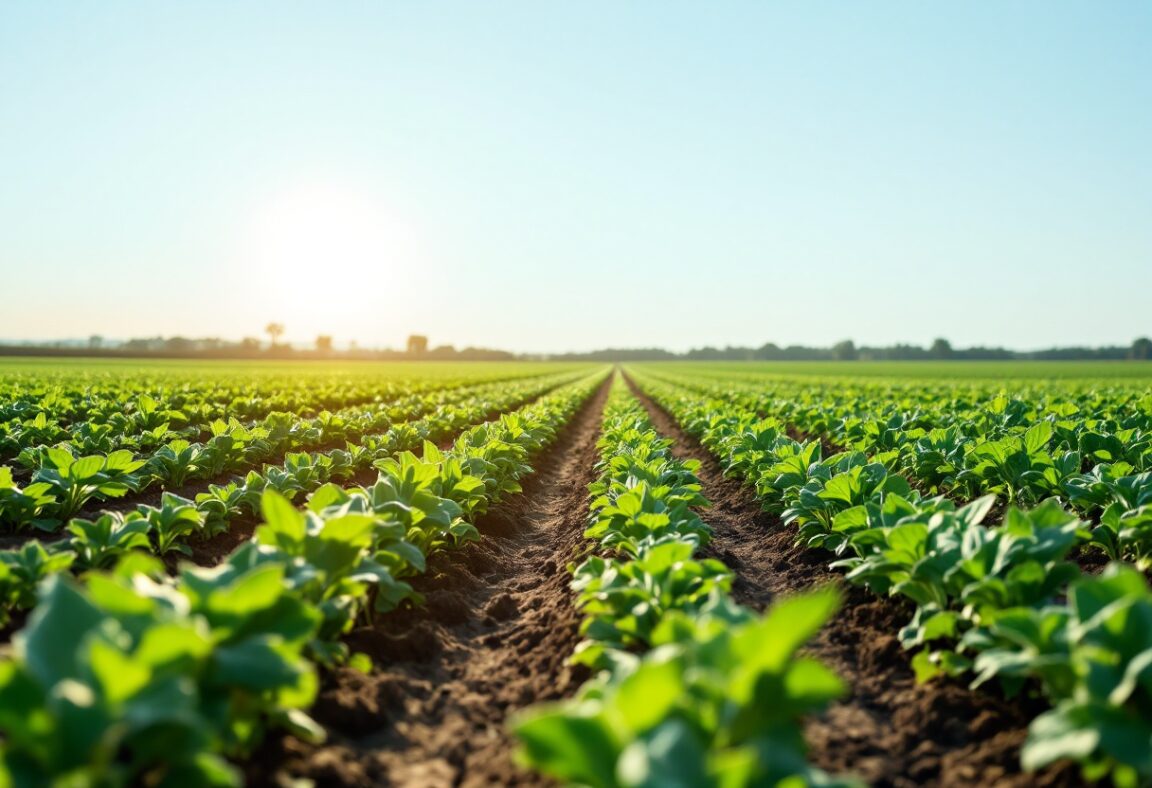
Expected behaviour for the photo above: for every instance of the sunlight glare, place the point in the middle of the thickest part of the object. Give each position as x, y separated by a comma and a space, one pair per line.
324, 257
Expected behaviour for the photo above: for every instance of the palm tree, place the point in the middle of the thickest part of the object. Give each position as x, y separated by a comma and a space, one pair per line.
274, 331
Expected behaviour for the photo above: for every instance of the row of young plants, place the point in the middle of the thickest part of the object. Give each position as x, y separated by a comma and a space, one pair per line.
62, 483
1021, 449
231, 446
101, 541
70, 395
690, 688
131, 677
141, 423
977, 405
1102, 424
995, 601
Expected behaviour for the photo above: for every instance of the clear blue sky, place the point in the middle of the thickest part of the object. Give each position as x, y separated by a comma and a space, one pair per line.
562, 175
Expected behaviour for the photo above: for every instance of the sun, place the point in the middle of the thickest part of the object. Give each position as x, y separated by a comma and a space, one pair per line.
321, 255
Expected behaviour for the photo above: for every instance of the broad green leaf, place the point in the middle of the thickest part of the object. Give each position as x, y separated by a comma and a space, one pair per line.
570, 745
56, 630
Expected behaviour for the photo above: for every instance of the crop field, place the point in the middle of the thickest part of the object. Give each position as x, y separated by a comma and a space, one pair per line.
654, 574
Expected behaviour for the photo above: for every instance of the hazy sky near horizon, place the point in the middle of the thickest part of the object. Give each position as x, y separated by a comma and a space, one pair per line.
551, 176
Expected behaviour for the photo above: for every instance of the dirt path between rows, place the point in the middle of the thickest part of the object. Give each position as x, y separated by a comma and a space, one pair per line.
494, 636
890, 730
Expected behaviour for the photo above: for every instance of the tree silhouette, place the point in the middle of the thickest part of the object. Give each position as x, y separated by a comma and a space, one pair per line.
417, 344
324, 343
274, 332
941, 348
845, 351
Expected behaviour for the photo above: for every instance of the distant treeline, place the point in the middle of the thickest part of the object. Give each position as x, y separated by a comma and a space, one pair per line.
418, 350
940, 350
213, 348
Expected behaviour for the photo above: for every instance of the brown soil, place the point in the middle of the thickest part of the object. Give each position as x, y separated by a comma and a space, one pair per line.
494, 636
889, 730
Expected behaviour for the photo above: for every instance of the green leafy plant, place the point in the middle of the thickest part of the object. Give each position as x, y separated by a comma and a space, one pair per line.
100, 543
173, 520
1022, 467
26, 507
990, 597
74, 481
176, 462
1093, 658
717, 703
126, 682
815, 505
643, 515
21, 572
624, 601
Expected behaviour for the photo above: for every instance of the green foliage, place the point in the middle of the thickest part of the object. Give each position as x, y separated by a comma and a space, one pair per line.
24, 507
718, 703
239, 431
1001, 599
693, 689
121, 682
73, 481
130, 677
642, 515
624, 601
1093, 658
21, 571
177, 461
100, 543
175, 519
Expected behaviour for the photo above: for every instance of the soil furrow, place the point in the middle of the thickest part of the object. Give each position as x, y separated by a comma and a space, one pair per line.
494, 636
890, 730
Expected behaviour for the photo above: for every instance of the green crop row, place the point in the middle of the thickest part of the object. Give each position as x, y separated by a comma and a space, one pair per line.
131, 677
62, 483
1000, 601
1022, 449
101, 541
691, 689
141, 423
136, 399
1092, 448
